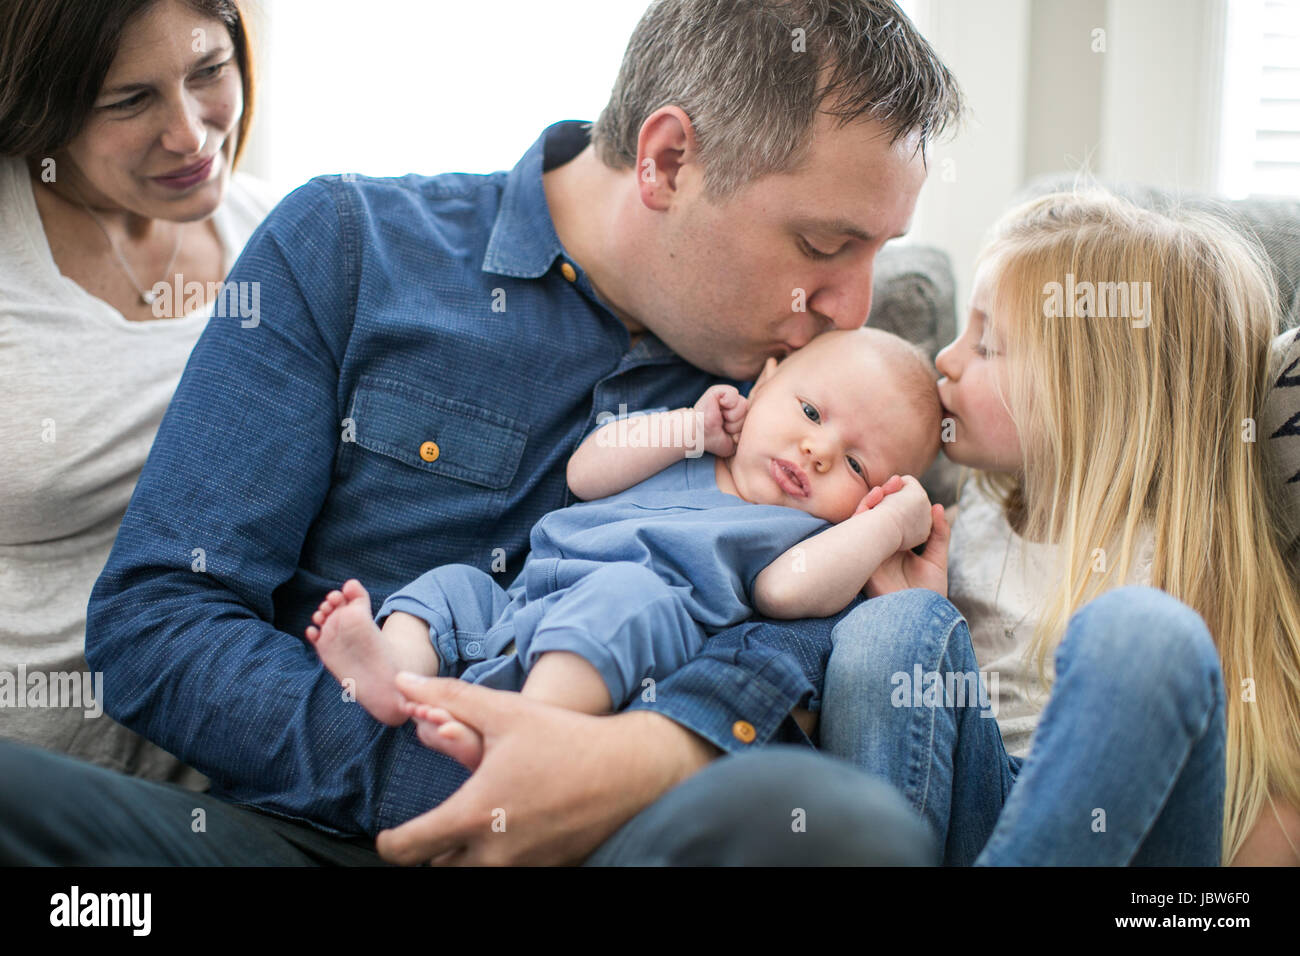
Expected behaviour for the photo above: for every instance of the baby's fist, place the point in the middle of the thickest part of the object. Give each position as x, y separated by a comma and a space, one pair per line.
909, 506
719, 415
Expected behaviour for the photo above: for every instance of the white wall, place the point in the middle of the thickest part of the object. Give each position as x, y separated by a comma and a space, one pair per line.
1063, 98
1140, 106
438, 85
1160, 92
973, 175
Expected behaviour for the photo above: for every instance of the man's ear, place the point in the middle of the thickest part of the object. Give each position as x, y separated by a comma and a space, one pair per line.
665, 145
769, 369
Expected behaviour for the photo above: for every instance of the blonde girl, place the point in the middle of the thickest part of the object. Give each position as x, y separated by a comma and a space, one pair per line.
1116, 571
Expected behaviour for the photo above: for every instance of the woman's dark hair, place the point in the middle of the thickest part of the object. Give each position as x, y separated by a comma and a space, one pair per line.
44, 101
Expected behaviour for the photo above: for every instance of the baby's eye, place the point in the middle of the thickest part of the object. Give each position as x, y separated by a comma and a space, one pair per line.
812, 415
853, 463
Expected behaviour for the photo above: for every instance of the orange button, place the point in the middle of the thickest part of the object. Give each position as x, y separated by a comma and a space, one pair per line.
429, 451
568, 271
743, 731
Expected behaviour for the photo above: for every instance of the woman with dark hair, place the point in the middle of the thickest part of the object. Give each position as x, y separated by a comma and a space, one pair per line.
120, 125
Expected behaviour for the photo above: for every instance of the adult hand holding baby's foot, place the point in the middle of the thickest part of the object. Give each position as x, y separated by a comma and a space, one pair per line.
546, 819
719, 416
439, 730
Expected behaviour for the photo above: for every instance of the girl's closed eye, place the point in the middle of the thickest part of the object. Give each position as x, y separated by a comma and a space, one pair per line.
986, 345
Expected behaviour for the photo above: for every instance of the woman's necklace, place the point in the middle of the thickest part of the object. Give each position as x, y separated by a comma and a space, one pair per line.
147, 296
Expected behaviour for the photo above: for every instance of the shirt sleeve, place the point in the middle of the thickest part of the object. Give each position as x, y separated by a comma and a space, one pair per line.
179, 619
738, 692
601, 422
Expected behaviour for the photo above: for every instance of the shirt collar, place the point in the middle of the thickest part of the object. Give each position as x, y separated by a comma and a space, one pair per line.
524, 243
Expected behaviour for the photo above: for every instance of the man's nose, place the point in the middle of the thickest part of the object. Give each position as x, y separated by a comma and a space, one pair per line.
848, 303
185, 132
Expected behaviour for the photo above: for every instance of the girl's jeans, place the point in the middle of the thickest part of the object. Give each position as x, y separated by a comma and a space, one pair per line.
1127, 762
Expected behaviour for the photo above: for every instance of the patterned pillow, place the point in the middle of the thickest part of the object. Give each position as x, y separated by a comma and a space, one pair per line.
1280, 422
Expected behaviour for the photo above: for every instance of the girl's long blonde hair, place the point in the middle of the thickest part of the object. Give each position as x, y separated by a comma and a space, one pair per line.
1124, 426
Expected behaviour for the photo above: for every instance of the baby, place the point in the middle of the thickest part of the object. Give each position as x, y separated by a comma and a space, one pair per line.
756, 504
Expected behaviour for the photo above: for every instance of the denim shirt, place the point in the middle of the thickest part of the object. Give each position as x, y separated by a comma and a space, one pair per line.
425, 359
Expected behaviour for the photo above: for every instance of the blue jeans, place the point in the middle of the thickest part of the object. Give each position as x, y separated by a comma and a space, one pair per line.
1127, 762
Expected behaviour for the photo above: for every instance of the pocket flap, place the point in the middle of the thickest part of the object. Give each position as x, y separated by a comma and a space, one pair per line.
442, 436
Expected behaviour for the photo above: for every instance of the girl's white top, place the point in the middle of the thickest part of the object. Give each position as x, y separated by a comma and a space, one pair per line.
83, 392
982, 545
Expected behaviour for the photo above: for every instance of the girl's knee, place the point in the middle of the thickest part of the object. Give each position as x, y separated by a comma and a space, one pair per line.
1141, 631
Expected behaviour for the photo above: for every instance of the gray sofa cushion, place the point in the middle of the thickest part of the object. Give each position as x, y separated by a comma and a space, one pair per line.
914, 296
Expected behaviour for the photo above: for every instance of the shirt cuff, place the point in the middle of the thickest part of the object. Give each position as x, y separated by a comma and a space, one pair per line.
736, 704
739, 692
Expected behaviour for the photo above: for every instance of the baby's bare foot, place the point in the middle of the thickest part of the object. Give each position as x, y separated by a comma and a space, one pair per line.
438, 729
352, 648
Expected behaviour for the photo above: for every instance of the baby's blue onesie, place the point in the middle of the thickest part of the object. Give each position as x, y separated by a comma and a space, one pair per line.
633, 583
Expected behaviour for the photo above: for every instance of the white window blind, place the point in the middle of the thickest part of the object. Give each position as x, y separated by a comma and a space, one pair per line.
1260, 145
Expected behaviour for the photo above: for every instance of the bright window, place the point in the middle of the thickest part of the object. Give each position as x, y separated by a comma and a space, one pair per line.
1260, 143
394, 86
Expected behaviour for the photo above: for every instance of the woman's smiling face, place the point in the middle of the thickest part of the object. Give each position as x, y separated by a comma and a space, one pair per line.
975, 380
161, 135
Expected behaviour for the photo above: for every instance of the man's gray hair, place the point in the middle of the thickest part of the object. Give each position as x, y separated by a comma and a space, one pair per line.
752, 74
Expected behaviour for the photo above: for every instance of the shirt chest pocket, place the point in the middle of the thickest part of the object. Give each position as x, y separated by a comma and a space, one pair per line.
441, 436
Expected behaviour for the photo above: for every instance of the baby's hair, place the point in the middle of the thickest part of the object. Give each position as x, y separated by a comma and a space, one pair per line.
916, 375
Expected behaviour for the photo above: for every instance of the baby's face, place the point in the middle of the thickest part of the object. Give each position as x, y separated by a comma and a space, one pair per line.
825, 427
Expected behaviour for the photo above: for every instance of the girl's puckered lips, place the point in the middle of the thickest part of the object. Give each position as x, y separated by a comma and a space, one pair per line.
944, 407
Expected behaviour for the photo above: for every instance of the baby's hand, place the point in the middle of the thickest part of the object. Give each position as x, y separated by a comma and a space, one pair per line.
904, 500
719, 415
